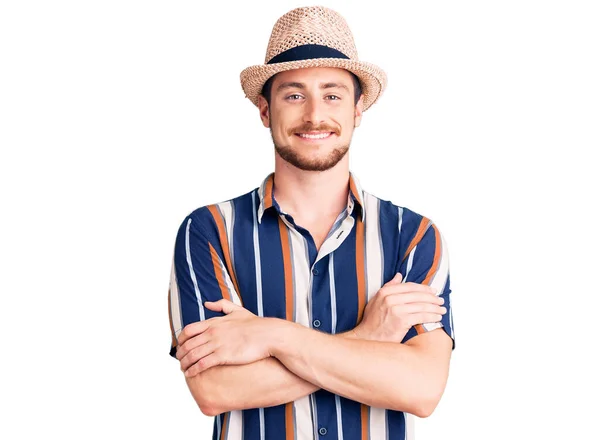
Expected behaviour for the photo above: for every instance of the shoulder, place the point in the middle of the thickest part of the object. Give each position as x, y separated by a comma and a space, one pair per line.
409, 222
211, 219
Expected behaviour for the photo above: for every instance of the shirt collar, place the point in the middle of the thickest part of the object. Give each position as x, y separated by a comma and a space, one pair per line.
267, 199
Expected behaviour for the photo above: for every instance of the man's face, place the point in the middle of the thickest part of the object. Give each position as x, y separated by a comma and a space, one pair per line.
312, 116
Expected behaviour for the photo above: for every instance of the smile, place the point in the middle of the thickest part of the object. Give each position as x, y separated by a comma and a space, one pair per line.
314, 136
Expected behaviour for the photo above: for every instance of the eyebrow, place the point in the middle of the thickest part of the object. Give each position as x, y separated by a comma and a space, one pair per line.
329, 85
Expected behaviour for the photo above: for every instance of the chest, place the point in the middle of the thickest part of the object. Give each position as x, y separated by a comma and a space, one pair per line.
321, 279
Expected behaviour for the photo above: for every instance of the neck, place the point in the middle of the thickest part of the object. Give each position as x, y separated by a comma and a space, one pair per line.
311, 195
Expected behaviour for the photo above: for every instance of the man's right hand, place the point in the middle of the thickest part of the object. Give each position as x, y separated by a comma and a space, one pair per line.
396, 307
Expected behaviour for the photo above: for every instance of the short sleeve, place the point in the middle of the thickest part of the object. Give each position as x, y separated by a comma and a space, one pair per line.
199, 273
427, 262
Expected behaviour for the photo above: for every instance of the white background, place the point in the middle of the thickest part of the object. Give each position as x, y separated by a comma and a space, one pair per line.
118, 118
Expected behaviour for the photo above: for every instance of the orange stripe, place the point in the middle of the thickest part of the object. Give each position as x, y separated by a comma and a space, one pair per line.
289, 312
364, 422
436, 257
420, 232
287, 271
289, 421
224, 245
224, 427
173, 338
360, 267
220, 279
268, 200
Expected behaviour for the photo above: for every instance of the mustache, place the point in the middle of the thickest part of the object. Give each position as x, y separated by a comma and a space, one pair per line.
305, 128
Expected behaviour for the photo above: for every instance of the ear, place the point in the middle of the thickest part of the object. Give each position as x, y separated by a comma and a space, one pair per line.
263, 107
358, 110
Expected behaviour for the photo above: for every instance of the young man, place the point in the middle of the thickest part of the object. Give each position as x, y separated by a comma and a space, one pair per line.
308, 308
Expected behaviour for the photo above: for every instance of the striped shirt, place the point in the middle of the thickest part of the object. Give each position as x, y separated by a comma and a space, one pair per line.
251, 252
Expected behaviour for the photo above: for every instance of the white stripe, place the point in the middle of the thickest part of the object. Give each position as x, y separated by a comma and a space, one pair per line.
259, 298
175, 302
440, 278
400, 212
191, 267
374, 257
301, 276
409, 263
235, 298
332, 296
338, 411
235, 427
409, 422
374, 265
226, 210
338, 406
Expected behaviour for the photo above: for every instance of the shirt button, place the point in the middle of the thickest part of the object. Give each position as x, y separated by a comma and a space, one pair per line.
315, 271
322, 431
317, 324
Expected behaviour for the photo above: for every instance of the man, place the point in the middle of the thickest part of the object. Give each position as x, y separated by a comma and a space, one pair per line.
308, 308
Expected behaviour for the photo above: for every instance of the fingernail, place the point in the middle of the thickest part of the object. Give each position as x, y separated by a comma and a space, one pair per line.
444, 310
433, 290
442, 301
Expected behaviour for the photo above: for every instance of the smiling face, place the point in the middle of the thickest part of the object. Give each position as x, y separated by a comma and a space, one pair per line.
312, 116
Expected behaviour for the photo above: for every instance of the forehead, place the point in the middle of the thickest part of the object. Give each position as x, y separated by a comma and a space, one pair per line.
312, 75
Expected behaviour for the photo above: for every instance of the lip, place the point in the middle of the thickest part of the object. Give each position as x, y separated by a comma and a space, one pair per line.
303, 139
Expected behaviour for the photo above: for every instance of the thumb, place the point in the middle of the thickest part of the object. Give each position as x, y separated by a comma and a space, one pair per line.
397, 278
222, 305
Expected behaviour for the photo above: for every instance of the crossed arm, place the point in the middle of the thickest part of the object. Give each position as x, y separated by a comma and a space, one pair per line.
241, 361
407, 377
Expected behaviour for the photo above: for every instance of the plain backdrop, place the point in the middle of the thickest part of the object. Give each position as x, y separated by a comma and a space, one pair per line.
118, 118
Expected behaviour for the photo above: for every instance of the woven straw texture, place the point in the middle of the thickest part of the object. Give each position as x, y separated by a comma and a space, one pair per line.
314, 25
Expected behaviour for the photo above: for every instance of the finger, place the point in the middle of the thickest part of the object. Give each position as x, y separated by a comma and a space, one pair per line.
417, 308
193, 329
196, 355
202, 365
393, 299
190, 344
423, 318
406, 287
397, 278
222, 305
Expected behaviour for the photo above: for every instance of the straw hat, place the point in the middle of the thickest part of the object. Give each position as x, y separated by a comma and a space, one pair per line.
313, 36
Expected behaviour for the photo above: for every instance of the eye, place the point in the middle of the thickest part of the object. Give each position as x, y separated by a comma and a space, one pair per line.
295, 94
337, 98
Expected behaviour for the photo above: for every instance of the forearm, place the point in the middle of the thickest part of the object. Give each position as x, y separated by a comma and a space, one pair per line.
380, 374
257, 385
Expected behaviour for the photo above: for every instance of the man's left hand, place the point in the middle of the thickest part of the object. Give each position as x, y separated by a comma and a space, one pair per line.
240, 337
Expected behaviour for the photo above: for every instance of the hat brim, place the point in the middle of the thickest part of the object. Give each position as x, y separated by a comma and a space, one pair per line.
372, 78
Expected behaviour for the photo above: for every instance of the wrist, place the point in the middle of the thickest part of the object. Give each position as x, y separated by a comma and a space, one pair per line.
356, 333
278, 334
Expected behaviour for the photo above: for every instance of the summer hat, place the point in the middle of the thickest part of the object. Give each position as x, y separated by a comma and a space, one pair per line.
313, 36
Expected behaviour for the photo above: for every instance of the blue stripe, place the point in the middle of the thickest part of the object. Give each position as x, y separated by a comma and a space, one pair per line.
396, 425
243, 248
390, 239
346, 284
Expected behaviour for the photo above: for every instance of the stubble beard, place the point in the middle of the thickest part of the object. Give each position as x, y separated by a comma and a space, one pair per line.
296, 159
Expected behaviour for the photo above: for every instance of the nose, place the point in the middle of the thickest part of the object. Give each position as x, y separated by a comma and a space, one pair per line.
313, 111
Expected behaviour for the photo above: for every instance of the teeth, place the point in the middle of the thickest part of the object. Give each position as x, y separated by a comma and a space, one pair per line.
315, 136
